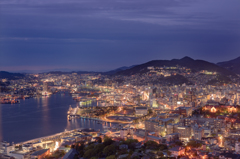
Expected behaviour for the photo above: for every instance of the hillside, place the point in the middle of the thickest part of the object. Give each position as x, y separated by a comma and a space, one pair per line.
232, 65
194, 65
219, 80
10, 76
172, 80
112, 72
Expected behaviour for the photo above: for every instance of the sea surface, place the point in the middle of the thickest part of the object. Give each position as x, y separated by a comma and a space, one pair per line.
38, 117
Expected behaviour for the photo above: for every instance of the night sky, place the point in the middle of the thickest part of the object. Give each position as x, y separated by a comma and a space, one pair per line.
100, 35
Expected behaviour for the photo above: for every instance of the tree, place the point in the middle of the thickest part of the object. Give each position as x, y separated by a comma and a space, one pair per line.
91, 146
194, 144
75, 156
130, 152
152, 145
82, 145
99, 139
111, 157
89, 153
107, 141
81, 153
161, 154
135, 157
169, 153
109, 150
62, 153
131, 143
178, 143
162, 147
99, 148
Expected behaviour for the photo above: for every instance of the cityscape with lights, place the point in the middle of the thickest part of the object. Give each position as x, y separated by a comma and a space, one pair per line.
131, 119
119, 79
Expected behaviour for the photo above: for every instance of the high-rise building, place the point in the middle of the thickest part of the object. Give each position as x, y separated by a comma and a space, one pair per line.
45, 86
185, 132
152, 126
45, 89
237, 147
198, 133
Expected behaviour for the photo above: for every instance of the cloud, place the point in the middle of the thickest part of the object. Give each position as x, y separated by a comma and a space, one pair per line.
91, 34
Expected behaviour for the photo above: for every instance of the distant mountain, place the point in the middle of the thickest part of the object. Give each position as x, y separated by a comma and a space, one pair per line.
232, 65
112, 72
10, 76
78, 72
194, 65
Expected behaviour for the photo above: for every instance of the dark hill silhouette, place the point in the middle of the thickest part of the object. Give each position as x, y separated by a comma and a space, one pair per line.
10, 76
232, 65
194, 65
112, 72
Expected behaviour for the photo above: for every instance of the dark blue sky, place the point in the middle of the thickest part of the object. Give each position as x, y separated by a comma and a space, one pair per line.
102, 35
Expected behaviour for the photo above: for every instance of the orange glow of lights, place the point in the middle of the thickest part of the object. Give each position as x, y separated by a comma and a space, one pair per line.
213, 110
232, 109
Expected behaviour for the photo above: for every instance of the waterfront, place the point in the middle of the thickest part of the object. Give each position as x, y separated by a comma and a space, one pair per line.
38, 117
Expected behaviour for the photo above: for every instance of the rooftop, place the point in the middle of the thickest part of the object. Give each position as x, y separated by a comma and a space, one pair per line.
40, 152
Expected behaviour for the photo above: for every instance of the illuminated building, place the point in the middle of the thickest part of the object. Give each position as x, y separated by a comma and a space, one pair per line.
141, 111
213, 110
232, 110
45, 86
218, 124
237, 147
154, 104
172, 137
185, 121
45, 89
172, 128
177, 151
126, 133
198, 133
185, 111
152, 126
185, 132
41, 154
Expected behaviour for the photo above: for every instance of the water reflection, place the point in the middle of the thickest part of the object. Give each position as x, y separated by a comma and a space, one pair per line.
45, 113
37, 117
38, 102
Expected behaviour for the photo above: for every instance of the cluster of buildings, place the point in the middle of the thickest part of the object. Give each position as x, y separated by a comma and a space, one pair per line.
206, 114
47, 146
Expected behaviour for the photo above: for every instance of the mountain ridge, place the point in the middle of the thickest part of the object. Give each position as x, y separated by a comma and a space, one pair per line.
194, 65
10, 76
232, 65
112, 72
188, 62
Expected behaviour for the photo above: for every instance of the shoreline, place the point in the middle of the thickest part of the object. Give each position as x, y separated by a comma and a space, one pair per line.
44, 137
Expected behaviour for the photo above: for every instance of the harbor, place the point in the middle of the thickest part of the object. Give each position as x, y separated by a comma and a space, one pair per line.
37, 117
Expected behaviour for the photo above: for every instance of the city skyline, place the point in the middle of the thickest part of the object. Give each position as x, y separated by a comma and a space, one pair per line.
93, 36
